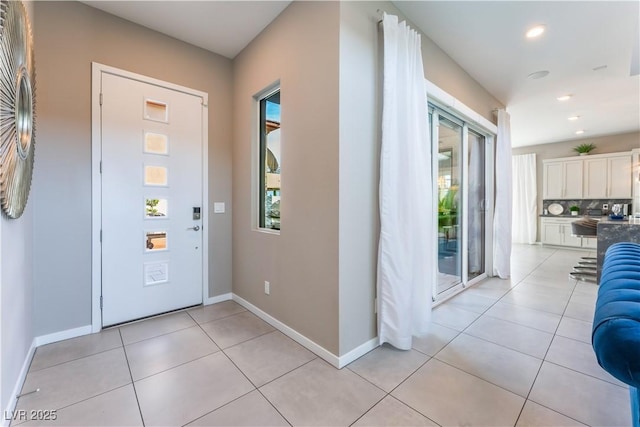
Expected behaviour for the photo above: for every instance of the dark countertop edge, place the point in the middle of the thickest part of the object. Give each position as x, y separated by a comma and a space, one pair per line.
572, 216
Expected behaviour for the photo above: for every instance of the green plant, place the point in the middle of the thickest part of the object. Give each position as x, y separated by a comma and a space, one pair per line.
151, 207
584, 148
574, 208
448, 202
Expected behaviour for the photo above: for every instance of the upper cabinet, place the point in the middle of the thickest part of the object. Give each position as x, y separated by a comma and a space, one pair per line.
619, 177
595, 178
562, 179
601, 176
608, 177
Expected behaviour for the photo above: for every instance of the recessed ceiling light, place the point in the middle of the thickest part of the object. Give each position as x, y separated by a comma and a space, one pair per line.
579, 132
535, 31
564, 98
574, 117
538, 74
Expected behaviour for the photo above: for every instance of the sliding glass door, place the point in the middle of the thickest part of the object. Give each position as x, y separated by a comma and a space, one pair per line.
449, 204
460, 182
476, 212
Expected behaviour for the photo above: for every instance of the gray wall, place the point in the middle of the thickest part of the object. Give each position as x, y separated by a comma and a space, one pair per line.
17, 296
604, 144
16, 290
69, 36
300, 48
322, 267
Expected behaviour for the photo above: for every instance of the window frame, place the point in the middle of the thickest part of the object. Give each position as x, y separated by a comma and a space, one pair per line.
260, 152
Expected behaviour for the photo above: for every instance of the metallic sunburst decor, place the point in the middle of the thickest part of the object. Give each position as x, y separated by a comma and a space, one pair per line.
17, 107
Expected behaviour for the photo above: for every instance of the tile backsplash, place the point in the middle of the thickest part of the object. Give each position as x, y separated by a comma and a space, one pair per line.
583, 204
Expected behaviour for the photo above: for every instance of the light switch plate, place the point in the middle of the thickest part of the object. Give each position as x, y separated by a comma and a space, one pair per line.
218, 207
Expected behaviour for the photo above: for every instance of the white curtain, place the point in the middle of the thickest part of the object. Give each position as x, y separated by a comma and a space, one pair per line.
406, 251
525, 195
502, 216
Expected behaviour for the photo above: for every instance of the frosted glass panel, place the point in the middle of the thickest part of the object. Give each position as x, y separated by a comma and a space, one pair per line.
156, 240
156, 208
156, 143
156, 273
156, 111
155, 175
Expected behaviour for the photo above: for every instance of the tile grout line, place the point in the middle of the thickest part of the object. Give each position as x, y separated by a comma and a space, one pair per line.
389, 393
546, 352
544, 359
133, 383
242, 372
74, 359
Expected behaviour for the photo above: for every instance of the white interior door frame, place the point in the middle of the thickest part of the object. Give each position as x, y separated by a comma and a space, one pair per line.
97, 70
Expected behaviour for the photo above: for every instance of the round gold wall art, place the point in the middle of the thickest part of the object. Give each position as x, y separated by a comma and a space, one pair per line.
17, 107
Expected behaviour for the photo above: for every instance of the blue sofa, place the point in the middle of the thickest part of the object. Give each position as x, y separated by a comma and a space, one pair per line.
616, 322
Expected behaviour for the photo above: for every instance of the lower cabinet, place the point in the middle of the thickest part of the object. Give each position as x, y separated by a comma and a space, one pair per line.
557, 231
590, 242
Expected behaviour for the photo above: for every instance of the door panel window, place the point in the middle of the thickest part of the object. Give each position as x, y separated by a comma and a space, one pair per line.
156, 176
156, 208
156, 110
156, 273
156, 143
156, 240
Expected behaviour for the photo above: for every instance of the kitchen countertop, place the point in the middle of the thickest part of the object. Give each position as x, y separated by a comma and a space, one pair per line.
571, 216
625, 221
612, 231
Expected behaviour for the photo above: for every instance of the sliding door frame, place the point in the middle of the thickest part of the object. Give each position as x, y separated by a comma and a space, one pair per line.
436, 111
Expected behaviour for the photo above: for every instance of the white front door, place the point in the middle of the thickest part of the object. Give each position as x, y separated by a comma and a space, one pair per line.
151, 198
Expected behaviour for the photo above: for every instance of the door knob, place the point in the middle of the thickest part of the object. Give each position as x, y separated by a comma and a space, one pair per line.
196, 228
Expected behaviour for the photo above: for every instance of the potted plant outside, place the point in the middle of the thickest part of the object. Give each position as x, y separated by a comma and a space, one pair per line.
584, 149
574, 210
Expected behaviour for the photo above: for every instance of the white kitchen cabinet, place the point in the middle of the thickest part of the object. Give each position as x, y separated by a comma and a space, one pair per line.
553, 175
619, 176
590, 242
557, 231
562, 179
550, 233
608, 177
595, 178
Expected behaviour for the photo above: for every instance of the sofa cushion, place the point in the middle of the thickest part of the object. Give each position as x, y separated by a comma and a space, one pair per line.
616, 322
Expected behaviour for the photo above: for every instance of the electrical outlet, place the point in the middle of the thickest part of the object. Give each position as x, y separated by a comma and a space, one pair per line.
605, 206
267, 287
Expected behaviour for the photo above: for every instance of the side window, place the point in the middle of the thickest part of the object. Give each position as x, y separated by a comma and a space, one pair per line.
270, 161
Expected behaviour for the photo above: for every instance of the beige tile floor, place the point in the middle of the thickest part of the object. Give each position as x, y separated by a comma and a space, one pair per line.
504, 353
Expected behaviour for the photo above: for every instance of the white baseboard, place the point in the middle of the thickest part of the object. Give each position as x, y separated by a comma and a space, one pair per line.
358, 352
63, 335
13, 399
37, 342
337, 361
291, 333
217, 299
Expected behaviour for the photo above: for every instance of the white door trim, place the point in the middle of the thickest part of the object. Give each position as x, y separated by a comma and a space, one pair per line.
96, 200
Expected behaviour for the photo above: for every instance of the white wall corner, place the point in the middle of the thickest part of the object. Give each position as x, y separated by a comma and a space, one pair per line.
62, 335
13, 399
218, 298
358, 352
